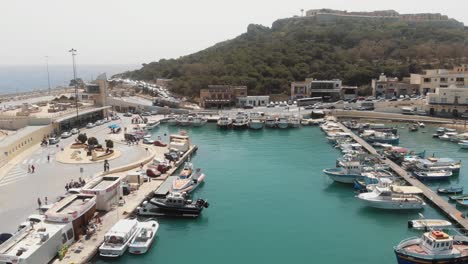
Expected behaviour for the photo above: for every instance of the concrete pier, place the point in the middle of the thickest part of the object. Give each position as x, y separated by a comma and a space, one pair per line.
431, 196
83, 250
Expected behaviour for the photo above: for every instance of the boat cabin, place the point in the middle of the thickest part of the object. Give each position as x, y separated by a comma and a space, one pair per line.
176, 199
121, 232
437, 242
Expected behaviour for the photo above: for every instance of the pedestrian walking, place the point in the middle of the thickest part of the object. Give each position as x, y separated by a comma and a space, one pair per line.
48, 158
39, 203
29, 168
45, 200
33, 168
141, 166
66, 187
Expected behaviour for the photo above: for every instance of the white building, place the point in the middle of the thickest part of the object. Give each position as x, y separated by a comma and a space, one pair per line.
449, 102
441, 78
107, 190
259, 100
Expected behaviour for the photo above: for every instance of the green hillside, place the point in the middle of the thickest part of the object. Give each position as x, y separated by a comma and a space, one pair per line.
268, 59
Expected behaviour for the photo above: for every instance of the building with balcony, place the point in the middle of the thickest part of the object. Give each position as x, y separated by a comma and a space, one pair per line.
440, 78
448, 102
329, 90
219, 96
257, 100
389, 87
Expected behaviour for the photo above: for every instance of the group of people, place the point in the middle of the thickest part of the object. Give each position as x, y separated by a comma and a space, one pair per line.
136, 120
75, 184
39, 202
31, 169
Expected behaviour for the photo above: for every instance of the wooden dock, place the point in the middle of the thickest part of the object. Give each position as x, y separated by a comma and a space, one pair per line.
431, 196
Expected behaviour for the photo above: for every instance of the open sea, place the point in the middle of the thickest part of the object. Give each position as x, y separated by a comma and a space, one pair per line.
271, 203
22, 78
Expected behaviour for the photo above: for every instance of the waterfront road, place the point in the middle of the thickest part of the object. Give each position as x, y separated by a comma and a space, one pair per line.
19, 189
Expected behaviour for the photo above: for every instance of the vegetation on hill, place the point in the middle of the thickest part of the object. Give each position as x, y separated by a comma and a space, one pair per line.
268, 59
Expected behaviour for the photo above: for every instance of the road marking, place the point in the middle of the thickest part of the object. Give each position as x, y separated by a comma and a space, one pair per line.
15, 175
25, 161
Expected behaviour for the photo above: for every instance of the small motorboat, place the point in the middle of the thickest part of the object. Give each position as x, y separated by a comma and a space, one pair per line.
463, 144
188, 183
428, 223
450, 190
421, 124
144, 237
457, 197
175, 204
463, 202
413, 128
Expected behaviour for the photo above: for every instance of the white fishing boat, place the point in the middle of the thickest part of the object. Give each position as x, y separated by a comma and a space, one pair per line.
283, 122
224, 122
294, 122
348, 172
393, 197
151, 125
256, 121
144, 237
241, 120
449, 136
270, 122
117, 239
463, 144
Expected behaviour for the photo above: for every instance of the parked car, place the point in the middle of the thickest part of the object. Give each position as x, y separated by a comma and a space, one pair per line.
154, 112
54, 140
75, 131
128, 114
159, 143
98, 123
347, 107
172, 156
148, 141
308, 107
270, 105
145, 114
66, 134
115, 117
90, 125
248, 106
105, 120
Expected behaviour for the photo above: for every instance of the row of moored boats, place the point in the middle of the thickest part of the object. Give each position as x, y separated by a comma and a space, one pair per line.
257, 121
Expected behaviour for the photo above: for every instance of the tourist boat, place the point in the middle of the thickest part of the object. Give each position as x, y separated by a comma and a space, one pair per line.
433, 175
256, 121
283, 122
463, 144
152, 125
224, 122
346, 173
117, 239
450, 190
174, 204
434, 247
428, 223
197, 121
294, 122
393, 197
188, 182
144, 237
413, 128
241, 120
270, 122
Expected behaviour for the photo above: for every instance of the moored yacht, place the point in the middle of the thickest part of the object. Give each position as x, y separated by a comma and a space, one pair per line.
346, 173
224, 122
175, 204
270, 122
393, 197
463, 144
241, 120
198, 121
116, 240
256, 121
144, 237
283, 122
294, 122
434, 247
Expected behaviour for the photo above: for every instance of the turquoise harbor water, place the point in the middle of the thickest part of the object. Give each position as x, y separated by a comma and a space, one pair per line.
271, 203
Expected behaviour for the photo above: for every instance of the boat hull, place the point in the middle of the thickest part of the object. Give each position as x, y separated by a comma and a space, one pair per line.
283, 125
256, 125
270, 124
342, 178
392, 205
408, 259
240, 125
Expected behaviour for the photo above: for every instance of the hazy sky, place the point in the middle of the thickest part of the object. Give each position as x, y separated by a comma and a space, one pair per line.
139, 31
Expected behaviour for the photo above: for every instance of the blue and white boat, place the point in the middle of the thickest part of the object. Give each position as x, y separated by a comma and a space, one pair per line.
348, 172
434, 247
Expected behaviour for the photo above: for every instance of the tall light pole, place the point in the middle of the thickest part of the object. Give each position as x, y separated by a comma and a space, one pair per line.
48, 75
73, 53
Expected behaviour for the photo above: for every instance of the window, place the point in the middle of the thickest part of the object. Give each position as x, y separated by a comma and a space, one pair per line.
70, 234
427, 80
443, 100
64, 238
460, 79
443, 79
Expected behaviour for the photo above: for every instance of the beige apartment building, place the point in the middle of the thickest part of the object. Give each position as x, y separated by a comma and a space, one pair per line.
219, 96
388, 87
430, 80
448, 102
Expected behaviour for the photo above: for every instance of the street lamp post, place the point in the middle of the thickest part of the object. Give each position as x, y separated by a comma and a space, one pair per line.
48, 75
73, 53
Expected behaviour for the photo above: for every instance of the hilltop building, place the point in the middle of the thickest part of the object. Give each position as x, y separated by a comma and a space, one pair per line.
441, 78
448, 102
389, 87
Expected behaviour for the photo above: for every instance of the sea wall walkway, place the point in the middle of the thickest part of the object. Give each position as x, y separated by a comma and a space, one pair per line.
430, 195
